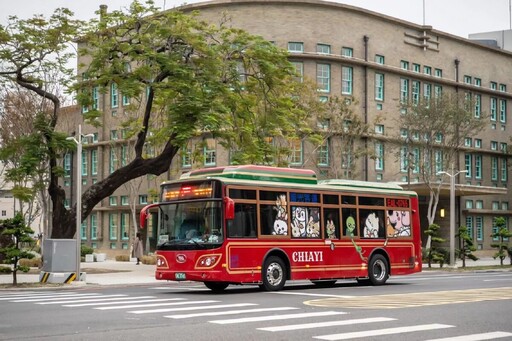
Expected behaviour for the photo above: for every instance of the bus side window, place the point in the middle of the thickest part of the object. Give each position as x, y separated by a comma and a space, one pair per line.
331, 223
372, 223
244, 223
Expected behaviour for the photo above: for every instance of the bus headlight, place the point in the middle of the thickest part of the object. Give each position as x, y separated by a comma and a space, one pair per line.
207, 261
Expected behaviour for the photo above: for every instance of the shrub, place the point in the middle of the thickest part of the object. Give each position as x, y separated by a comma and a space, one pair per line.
85, 250
123, 258
150, 260
31, 263
5, 270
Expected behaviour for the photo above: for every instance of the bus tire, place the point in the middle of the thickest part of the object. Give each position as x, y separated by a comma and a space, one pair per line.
273, 274
216, 286
378, 270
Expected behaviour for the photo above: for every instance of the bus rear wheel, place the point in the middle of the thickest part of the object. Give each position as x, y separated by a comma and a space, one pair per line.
273, 274
216, 286
378, 270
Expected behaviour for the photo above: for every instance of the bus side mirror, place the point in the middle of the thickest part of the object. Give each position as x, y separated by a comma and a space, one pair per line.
229, 208
144, 213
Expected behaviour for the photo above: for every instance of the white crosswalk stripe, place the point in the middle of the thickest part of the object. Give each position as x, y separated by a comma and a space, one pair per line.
476, 337
53, 298
105, 298
124, 300
201, 307
327, 324
277, 317
36, 295
131, 306
229, 312
385, 331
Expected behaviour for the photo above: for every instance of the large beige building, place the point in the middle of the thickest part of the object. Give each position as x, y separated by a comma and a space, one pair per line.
348, 51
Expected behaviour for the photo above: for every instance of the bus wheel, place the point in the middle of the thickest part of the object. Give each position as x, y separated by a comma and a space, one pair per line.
378, 270
273, 274
216, 286
325, 283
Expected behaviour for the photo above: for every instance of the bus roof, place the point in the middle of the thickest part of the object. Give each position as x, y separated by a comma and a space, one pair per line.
256, 173
298, 178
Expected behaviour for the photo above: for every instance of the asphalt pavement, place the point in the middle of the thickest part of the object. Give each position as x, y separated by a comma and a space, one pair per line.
111, 272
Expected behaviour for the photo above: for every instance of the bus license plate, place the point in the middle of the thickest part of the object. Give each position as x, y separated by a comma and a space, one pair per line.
180, 275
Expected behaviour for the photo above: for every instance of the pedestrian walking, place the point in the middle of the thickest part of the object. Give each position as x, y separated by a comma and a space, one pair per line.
138, 248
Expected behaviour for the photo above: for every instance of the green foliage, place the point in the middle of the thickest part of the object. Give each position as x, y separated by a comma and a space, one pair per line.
466, 245
20, 235
435, 254
501, 233
85, 250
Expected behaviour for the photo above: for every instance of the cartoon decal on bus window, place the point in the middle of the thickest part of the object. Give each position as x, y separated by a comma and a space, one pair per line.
371, 226
281, 221
399, 224
351, 227
298, 222
313, 226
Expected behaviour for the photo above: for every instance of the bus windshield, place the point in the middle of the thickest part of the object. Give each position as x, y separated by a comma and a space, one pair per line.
190, 225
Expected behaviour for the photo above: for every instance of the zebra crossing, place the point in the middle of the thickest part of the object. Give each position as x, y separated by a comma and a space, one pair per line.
334, 324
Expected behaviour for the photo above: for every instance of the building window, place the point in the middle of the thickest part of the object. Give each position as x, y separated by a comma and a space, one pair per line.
125, 221
494, 168
112, 161
427, 70
416, 68
347, 52
295, 47
468, 160
143, 199
95, 98
467, 142
478, 166
114, 95
379, 129
478, 143
323, 154
323, 77
438, 159
67, 165
379, 87
346, 80
186, 157
469, 225
94, 161
478, 106
112, 201
299, 70
210, 152
379, 156
296, 152
112, 226
494, 109
427, 92
415, 92
504, 169
479, 204
494, 86
494, 145
503, 110
404, 159
94, 226
404, 65
404, 90
478, 82
438, 73
323, 48
467, 79
83, 230
84, 163
124, 200
479, 222
379, 59
438, 91
503, 88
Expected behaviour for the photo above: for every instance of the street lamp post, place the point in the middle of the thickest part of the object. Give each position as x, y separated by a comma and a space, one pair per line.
78, 142
452, 176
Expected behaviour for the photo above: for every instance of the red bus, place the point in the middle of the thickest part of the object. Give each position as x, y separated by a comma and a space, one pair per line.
266, 225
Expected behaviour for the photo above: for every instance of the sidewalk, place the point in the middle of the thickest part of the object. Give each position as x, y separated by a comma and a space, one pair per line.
111, 272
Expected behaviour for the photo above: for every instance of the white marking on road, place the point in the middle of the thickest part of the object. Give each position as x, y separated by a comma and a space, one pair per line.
230, 312
61, 300
24, 295
277, 317
98, 299
52, 298
154, 305
202, 307
387, 331
326, 324
475, 337
132, 300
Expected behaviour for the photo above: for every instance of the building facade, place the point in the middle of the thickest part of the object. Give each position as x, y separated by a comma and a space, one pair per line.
373, 59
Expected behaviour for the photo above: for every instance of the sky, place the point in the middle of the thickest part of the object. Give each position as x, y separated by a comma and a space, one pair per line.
458, 17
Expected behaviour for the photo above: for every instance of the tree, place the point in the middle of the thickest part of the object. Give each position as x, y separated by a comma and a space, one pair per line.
466, 245
432, 131
20, 235
34, 55
500, 234
434, 253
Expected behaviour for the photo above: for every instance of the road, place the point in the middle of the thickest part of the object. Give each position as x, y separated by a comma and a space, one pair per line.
426, 306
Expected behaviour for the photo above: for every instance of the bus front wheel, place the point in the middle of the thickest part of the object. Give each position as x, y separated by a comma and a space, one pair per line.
273, 274
378, 270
